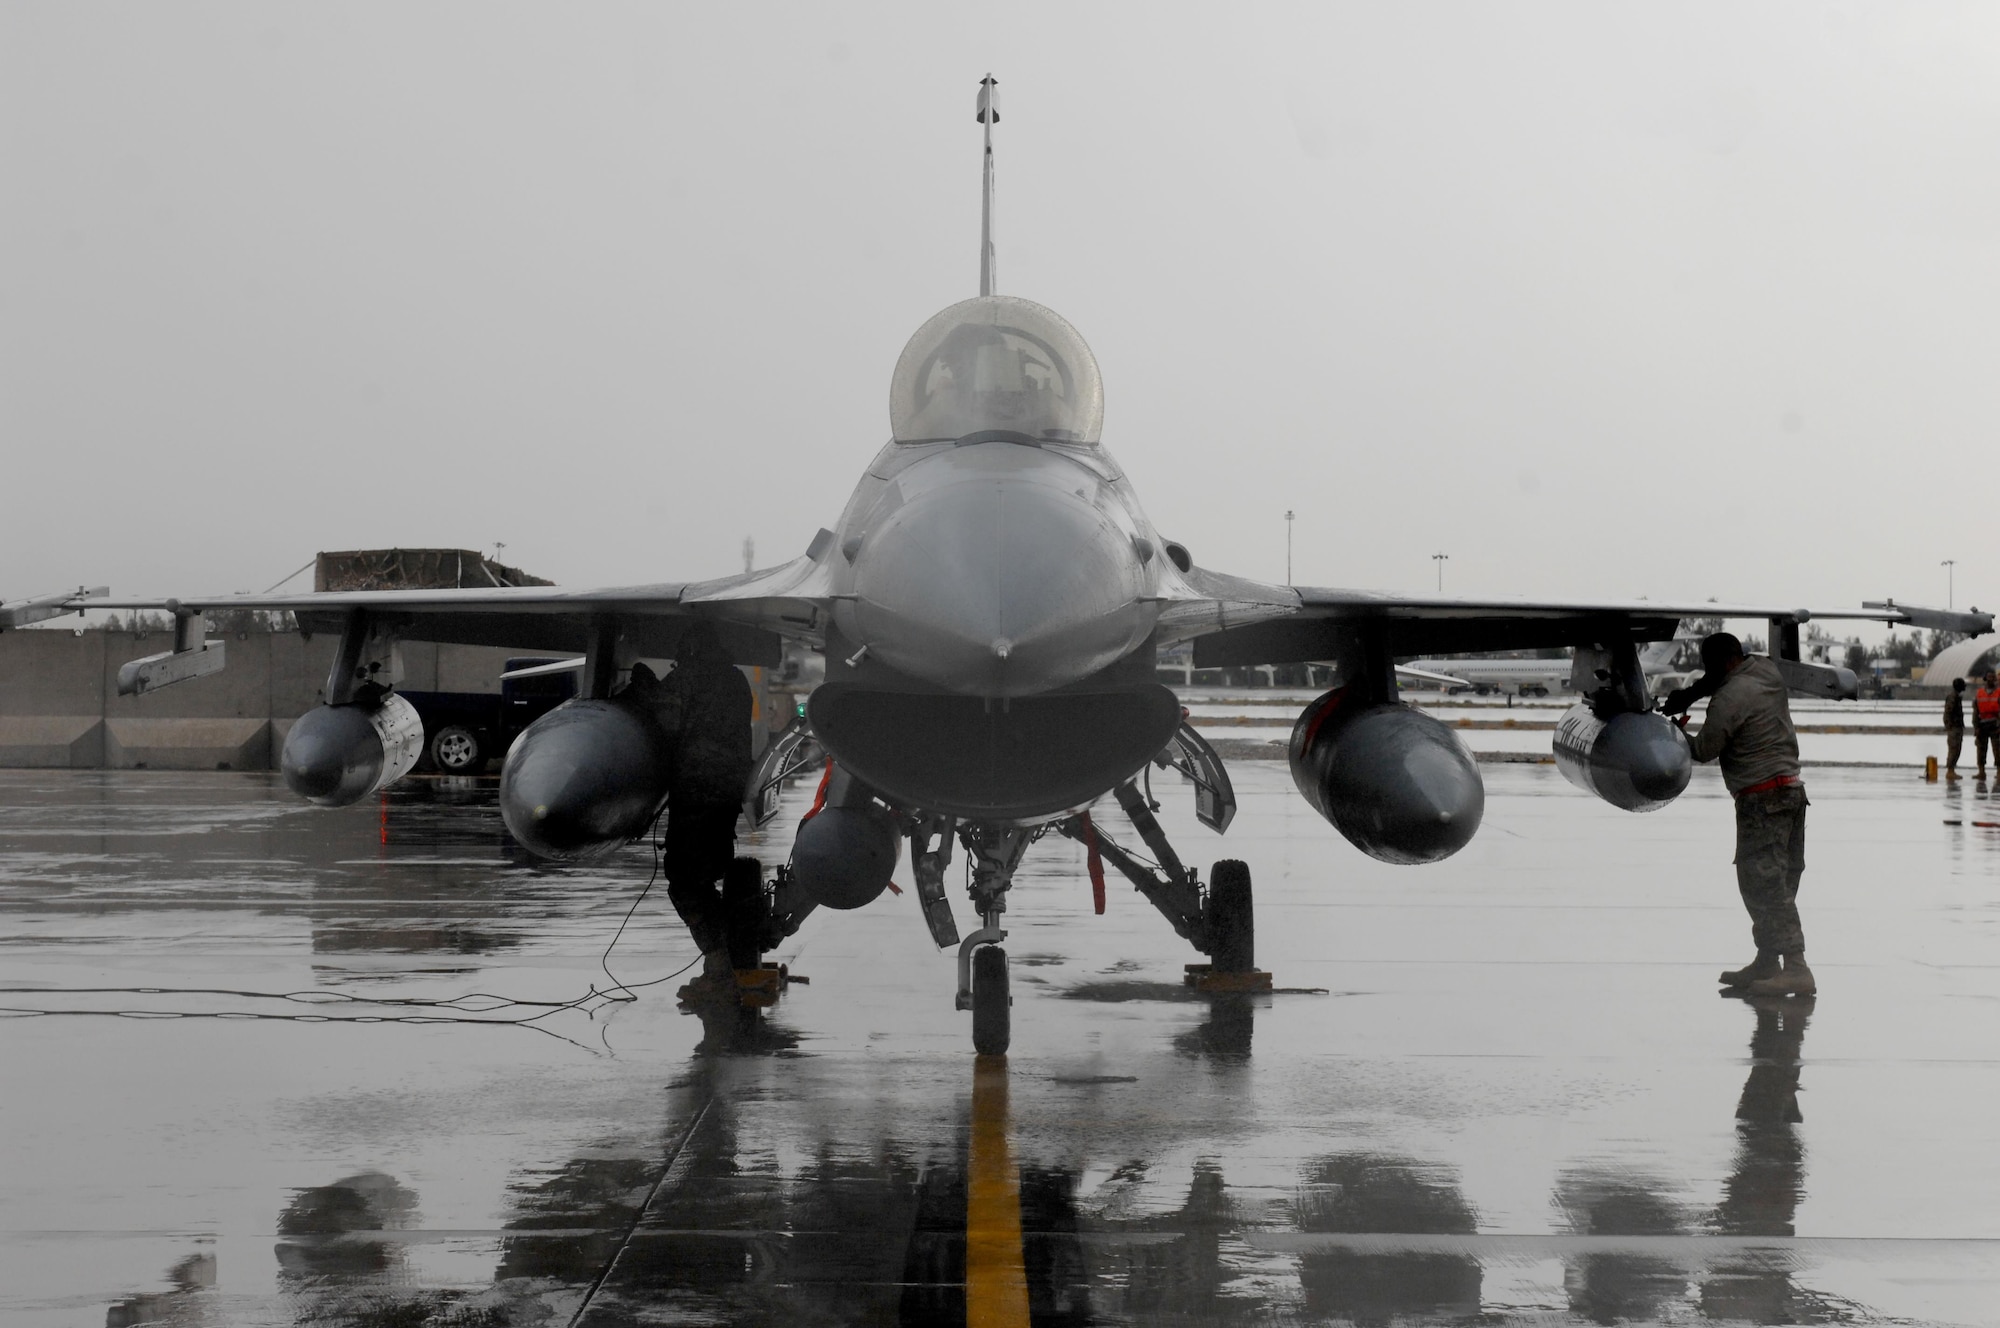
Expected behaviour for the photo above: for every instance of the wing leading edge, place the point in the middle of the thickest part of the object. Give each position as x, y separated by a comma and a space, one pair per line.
751, 611
1328, 623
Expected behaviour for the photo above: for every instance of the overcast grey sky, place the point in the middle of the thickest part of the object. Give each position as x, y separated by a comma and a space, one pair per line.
1624, 300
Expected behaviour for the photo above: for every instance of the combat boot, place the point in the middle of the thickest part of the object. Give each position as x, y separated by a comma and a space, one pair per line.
1796, 980
1765, 965
716, 983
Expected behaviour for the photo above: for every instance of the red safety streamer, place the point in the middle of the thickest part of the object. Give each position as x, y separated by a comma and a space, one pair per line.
1093, 861
819, 798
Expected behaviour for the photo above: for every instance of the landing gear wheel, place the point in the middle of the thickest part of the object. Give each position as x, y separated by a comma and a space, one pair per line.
992, 1018
744, 912
1232, 931
456, 751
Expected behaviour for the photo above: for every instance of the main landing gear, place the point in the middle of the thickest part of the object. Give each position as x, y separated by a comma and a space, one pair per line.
1216, 919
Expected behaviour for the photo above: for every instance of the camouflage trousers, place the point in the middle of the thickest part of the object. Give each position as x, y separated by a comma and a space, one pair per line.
1770, 858
701, 842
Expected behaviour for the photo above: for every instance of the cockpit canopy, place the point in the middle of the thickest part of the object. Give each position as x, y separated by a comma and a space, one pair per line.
998, 363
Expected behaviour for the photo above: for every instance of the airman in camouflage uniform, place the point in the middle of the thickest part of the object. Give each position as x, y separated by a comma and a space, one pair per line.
705, 706
1748, 729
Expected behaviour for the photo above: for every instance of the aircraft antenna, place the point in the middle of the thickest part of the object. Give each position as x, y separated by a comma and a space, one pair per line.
989, 115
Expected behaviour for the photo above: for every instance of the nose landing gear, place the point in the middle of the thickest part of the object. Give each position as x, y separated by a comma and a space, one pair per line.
1215, 918
995, 852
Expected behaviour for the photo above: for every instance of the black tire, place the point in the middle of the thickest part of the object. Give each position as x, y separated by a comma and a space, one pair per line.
456, 750
743, 910
992, 1014
1232, 930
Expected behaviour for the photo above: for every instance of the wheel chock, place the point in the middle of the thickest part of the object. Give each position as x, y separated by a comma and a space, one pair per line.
1203, 977
759, 988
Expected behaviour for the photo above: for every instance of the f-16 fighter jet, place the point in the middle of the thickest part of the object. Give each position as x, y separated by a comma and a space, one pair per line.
990, 605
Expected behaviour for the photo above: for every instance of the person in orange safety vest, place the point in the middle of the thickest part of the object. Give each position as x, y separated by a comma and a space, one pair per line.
1986, 722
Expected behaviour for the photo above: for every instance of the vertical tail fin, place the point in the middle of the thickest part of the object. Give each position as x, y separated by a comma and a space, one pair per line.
988, 114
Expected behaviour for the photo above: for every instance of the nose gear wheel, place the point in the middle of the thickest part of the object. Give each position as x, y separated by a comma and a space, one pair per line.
992, 1013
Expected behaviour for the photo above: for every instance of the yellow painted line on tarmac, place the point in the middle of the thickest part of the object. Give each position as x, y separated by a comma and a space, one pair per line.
996, 1282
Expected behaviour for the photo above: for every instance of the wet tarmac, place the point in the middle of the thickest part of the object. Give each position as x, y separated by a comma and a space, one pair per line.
1518, 1098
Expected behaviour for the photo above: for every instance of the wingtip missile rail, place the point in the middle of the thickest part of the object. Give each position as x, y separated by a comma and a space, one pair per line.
40, 608
1970, 622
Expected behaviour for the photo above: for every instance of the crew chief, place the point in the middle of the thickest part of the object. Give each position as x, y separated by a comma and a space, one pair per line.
1749, 731
705, 708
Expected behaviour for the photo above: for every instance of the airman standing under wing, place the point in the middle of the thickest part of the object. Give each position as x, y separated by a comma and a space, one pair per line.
705, 705
1954, 727
1748, 729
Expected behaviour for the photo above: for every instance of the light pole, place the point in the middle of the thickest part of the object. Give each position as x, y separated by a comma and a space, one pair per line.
1288, 547
1440, 559
1950, 566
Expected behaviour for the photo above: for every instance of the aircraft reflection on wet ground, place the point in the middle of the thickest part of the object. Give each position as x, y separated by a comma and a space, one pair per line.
1518, 1101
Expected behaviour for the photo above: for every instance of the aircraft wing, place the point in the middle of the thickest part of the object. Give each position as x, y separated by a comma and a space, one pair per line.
1425, 675
751, 610
1323, 623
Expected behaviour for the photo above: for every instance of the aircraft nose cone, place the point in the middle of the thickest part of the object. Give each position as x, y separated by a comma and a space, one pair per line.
998, 587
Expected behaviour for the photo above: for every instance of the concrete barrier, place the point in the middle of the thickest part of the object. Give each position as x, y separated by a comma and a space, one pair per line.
61, 742
187, 744
54, 672
59, 702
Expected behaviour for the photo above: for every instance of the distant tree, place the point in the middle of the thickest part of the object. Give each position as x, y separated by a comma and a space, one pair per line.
252, 622
1708, 626
1907, 652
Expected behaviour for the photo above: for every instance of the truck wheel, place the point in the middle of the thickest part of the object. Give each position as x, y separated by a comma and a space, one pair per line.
1232, 933
743, 912
456, 750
